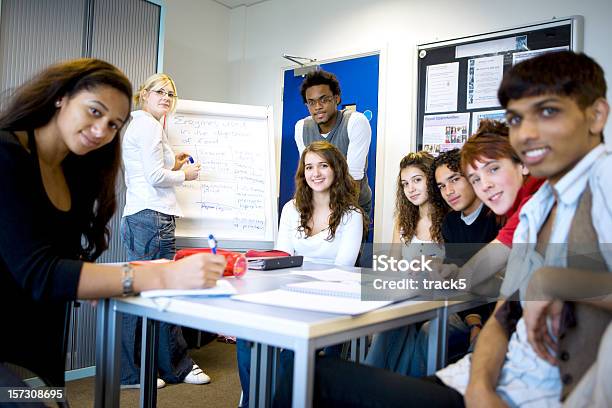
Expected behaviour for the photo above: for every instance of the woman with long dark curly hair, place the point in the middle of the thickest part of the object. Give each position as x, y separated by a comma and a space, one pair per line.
418, 218
323, 222
418, 231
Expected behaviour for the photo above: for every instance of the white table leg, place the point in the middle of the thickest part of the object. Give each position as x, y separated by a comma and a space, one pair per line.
303, 375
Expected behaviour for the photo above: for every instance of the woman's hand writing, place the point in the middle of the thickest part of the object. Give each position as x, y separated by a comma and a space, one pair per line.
193, 272
191, 171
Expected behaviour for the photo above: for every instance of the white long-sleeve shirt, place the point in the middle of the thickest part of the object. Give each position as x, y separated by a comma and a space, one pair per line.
148, 161
342, 250
359, 134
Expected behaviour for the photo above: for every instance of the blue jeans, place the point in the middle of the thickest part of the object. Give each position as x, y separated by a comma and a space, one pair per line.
243, 354
404, 350
149, 235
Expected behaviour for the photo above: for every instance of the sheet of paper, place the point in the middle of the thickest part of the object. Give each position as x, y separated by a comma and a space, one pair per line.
477, 117
442, 87
518, 43
483, 78
445, 132
331, 275
525, 55
223, 288
317, 303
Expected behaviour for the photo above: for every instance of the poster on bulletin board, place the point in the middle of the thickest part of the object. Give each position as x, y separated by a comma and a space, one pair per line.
458, 79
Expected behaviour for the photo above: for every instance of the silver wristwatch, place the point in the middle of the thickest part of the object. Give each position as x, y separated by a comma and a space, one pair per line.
127, 281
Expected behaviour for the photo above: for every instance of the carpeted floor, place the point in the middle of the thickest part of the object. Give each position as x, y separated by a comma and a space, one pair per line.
217, 359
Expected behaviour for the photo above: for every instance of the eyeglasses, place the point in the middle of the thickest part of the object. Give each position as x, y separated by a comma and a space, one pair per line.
163, 93
324, 100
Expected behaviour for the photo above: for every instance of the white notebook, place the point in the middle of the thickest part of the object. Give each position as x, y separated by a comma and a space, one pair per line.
342, 289
317, 303
331, 275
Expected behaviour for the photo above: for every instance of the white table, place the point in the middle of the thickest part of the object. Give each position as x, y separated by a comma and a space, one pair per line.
269, 327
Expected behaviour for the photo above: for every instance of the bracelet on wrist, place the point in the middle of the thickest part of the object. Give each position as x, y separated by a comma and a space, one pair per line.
127, 280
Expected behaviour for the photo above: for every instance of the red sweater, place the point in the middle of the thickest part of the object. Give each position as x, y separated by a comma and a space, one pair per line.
530, 186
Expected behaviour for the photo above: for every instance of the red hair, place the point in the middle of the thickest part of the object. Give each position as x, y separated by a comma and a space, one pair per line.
490, 141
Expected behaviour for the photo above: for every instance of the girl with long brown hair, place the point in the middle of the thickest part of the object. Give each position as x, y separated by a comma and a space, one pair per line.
417, 232
418, 219
323, 222
60, 154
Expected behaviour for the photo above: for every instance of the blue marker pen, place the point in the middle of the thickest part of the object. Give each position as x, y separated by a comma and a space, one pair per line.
191, 160
212, 243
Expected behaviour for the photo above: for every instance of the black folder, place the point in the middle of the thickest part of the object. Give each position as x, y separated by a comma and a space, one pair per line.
277, 262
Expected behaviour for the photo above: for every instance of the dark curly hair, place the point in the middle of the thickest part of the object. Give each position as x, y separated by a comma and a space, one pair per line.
406, 213
450, 159
342, 193
320, 77
33, 106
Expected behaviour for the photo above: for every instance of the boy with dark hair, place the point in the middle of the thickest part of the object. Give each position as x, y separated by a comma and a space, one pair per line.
556, 110
348, 130
470, 222
466, 229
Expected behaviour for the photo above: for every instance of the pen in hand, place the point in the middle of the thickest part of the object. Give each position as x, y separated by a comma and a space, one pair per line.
212, 243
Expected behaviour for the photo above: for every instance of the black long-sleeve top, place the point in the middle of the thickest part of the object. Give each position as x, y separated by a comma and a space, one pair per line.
462, 241
39, 266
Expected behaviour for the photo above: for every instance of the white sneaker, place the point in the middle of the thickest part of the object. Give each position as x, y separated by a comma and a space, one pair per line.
160, 384
196, 376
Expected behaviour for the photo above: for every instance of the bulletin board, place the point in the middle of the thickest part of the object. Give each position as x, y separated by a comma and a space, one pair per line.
458, 79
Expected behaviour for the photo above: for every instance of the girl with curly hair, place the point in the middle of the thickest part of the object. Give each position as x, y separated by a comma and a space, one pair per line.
418, 231
418, 218
323, 222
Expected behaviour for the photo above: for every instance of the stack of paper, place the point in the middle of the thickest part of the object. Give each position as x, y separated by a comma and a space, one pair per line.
256, 264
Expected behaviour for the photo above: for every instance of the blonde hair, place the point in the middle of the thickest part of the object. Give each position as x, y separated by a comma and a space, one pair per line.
153, 83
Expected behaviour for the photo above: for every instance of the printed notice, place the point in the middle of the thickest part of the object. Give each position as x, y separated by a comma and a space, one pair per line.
442, 87
483, 79
525, 55
477, 117
445, 132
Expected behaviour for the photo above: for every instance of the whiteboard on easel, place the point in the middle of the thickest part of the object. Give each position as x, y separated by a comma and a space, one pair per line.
234, 197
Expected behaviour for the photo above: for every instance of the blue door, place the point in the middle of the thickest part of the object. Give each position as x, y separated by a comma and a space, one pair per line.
359, 86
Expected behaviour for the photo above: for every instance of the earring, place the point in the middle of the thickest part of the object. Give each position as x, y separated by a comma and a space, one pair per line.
58, 103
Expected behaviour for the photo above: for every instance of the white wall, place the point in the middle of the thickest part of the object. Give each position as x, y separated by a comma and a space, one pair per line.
196, 45
325, 29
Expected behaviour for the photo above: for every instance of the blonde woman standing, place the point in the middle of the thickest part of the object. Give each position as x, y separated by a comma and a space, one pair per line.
152, 170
